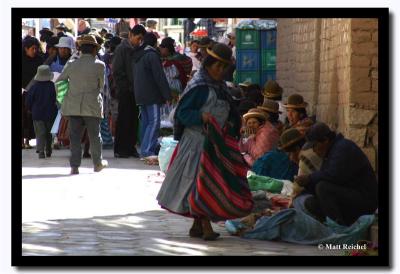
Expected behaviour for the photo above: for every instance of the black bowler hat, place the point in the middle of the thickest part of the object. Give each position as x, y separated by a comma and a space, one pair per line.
46, 31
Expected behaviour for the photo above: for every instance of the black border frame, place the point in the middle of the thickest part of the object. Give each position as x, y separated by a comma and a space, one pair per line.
383, 157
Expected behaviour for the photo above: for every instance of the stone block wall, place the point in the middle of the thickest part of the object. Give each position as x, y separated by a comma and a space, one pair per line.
297, 43
333, 64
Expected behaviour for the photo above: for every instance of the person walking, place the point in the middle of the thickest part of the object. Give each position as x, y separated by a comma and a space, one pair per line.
41, 101
205, 100
151, 91
127, 120
83, 103
31, 60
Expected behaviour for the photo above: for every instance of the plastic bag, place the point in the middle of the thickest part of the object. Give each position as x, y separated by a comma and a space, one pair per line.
62, 89
56, 124
257, 182
165, 112
168, 145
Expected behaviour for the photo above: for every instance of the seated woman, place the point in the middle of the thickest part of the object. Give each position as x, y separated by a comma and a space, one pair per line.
271, 108
297, 114
260, 136
282, 162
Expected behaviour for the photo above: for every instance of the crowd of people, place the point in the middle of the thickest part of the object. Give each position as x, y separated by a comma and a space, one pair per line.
117, 86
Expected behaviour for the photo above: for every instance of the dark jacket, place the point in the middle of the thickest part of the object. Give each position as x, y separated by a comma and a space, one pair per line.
150, 83
41, 101
122, 68
346, 165
29, 68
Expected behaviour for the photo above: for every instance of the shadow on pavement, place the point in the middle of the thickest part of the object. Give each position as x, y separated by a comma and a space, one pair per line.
27, 177
150, 233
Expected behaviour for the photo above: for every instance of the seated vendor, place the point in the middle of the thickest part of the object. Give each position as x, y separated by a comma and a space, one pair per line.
259, 136
297, 116
345, 187
282, 162
271, 108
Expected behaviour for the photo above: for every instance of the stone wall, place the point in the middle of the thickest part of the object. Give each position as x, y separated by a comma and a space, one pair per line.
333, 64
297, 45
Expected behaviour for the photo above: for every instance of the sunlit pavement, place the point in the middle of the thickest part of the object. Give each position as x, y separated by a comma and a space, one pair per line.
114, 212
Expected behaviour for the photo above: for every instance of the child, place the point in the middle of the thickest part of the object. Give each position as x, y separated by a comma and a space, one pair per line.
41, 101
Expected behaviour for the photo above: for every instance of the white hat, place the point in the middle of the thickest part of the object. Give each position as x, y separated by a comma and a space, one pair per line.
65, 42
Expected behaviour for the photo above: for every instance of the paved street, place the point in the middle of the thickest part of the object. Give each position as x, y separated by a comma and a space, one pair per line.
114, 212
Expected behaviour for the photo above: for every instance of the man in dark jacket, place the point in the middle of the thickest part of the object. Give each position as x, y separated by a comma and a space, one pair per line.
127, 121
345, 187
151, 91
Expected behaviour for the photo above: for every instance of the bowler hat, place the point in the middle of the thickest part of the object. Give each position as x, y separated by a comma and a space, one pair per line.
272, 90
255, 113
88, 39
221, 52
44, 73
290, 137
295, 101
52, 41
270, 106
205, 42
46, 31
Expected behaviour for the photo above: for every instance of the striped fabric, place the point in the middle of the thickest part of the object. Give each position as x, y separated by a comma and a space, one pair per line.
221, 191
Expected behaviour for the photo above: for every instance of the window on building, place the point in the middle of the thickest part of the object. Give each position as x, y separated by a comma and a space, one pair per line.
176, 21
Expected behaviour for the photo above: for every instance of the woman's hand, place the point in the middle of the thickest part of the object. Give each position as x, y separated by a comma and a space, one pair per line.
302, 180
205, 116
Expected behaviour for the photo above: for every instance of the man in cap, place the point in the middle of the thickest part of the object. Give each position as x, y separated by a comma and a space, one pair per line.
83, 104
127, 121
345, 187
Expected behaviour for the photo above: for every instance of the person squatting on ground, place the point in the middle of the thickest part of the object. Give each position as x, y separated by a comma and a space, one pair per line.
83, 103
127, 121
345, 187
151, 91
41, 101
205, 96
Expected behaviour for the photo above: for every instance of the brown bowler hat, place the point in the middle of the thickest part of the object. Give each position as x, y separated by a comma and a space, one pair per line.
272, 90
295, 101
270, 106
290, 137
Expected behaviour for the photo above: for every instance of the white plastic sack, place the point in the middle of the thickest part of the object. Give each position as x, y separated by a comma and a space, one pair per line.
56, 124
165, 112
168, 145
